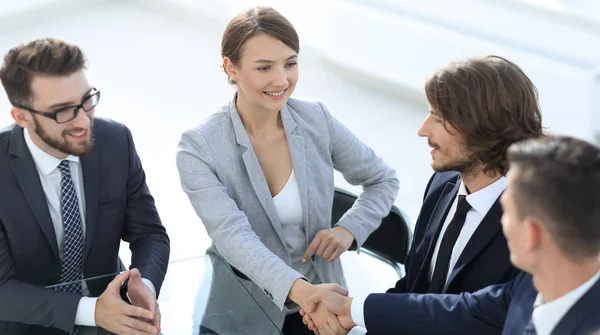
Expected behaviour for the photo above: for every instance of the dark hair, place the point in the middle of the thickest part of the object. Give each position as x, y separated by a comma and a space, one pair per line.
558, 180
46, 56
490, 102
255, 21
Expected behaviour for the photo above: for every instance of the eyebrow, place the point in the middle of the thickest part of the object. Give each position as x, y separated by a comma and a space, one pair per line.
70, 103
270, 61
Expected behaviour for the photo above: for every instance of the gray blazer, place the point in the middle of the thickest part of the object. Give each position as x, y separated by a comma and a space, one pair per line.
221, 175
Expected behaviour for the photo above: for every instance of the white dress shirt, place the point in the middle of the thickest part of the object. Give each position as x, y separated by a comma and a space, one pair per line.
545, 317
47, 167
481, 202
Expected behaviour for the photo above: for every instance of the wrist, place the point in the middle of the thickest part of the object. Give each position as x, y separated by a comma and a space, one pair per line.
300, 291
344, 229
348, 304
348, 307
96, 311
349, 236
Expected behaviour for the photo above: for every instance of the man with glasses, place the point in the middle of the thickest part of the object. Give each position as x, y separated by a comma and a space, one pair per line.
72, 187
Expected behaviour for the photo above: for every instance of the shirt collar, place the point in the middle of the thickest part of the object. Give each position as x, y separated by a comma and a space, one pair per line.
545, 317
44, 162
482, 200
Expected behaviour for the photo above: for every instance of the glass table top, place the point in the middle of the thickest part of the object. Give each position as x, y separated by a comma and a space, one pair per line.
203, 295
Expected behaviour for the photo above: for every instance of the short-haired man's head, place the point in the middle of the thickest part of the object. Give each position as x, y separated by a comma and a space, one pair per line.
46, 56
255, 21
490, 102
557, 181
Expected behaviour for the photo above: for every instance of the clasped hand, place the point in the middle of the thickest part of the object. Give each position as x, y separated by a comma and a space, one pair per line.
322, 312
117, 316
328, 311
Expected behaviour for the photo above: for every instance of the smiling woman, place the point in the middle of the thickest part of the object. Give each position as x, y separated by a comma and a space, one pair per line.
259, 174
265, 77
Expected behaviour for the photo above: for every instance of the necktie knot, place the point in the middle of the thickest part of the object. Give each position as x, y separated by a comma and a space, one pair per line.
463, 206
64, 168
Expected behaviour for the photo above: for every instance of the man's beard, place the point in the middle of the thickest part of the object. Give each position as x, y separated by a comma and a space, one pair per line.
463, 166
467, 164
62, 144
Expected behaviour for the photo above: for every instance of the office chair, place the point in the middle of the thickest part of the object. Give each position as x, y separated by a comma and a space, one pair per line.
389, 243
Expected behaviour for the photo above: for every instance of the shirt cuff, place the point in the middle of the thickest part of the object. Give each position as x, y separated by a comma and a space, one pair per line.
149, 285
357, 310
86, 312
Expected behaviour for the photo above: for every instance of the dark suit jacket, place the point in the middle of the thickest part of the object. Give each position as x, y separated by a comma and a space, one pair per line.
500, 309
118, 206
484, 261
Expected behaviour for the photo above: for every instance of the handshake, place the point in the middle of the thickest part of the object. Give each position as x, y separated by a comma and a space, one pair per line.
328, 310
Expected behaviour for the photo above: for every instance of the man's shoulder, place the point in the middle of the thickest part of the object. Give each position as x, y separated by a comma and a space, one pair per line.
5, 135
6, 131
105, 126
112, 136
441, 179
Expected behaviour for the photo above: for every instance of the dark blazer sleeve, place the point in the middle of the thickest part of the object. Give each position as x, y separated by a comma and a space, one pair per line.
30, 304
402, 285
143, 229
482, 312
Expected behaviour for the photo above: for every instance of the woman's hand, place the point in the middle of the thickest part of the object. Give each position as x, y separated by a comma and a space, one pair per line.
320, 320
329, 243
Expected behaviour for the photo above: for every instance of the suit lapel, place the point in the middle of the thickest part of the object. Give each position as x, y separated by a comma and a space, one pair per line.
298, 153
29, 180
435, 225
576, 316
488, 228
89, 166
255, 174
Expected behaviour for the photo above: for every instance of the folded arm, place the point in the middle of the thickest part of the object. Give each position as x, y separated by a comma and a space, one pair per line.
361, 166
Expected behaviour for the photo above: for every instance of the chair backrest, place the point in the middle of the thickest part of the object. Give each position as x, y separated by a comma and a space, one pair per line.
390, 241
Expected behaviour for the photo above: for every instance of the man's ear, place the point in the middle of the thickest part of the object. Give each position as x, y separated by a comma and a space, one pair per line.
20, 116
534, 233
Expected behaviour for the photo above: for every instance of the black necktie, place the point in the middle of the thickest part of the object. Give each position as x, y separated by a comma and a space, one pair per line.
450, 236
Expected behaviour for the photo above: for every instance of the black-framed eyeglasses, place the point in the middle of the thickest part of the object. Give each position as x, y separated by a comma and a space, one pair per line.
66, 114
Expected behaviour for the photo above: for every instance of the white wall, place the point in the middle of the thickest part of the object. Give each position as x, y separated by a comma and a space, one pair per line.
397, 44
405, 49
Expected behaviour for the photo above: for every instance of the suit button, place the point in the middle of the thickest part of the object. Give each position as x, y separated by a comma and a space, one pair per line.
268, 294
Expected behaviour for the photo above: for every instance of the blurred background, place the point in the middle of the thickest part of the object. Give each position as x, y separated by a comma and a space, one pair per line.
157, 65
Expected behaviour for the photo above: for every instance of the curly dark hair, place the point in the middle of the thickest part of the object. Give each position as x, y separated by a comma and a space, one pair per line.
490, 102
